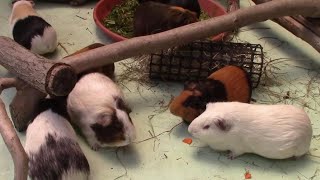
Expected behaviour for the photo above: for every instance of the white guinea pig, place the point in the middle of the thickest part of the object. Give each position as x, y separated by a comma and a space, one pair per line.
52, 148
30, 30
96, 105
272, 131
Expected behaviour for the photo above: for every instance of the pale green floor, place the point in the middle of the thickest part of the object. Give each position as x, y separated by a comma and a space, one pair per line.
167, 157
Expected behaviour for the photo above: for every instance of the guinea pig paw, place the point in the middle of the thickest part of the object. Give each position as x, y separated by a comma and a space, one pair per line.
74, 3
231, 155
95, 147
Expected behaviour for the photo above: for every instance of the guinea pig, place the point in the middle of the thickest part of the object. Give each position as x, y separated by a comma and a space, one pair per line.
271, 131
96, 104
230, 83
52, 147
191, 5
152, 17
30, 30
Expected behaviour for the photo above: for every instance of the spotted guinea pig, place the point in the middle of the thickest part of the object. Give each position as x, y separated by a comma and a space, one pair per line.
230, 83
152, 17
52, 147
96, 105
30, 30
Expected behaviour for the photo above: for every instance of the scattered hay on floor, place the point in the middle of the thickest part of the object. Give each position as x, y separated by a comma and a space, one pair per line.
135, 69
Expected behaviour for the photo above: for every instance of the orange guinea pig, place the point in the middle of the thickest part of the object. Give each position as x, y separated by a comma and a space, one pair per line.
107, 70
230, 83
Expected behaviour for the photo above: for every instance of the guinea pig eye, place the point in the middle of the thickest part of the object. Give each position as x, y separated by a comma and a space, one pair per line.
206, 127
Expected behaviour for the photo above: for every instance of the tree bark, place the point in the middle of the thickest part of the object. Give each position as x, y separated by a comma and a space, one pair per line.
42, 74
24, 106
10, 137
315, 28
182, 35
307, 34
300, 31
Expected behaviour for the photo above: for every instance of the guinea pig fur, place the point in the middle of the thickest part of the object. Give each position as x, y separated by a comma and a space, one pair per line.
191, 102
53, 150
152, 17
107, 70
271, 131
230, 83
191, 5
30, 30
71, 2
96, 104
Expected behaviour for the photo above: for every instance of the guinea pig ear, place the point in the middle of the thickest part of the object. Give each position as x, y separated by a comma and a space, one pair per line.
32, 3
195, 102
214, 90
106, 119
190, 85
122, 105
222, 125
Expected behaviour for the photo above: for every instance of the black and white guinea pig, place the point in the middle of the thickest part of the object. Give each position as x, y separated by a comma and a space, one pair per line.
152, 17
96, 104
52, 147
30, 30
192, 5
271, 131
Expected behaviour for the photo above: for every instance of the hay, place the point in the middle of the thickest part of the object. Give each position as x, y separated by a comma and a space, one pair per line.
120, 19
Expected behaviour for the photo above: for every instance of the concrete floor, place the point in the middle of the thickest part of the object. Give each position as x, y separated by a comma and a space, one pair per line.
295, 69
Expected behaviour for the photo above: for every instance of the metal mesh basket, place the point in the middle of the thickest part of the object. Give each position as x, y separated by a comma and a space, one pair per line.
199, 59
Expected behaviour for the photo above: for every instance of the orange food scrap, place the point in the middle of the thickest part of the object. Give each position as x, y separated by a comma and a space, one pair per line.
247, 175
187, 140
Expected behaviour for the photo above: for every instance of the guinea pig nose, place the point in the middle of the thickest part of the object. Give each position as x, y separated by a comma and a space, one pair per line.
191, 130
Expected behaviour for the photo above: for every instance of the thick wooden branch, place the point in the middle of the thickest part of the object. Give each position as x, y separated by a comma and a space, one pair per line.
44, 75
307, 34
300, 31
24, 106
153, 43
10, 137
315, 28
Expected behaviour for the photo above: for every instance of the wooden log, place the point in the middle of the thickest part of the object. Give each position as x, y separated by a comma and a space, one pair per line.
24, 106
308, 23
44, 75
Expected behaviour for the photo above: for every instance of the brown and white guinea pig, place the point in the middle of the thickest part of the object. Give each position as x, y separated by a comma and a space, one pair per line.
271, 131
152, 17
107, 70
191, 5
71, 2
30, 30
96, 104
230, 83
52, 147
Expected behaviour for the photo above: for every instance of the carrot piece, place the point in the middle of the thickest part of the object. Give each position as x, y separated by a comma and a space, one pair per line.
187, 140
247, 175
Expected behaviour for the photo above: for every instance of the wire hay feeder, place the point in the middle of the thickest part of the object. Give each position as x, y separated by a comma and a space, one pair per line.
199, 59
